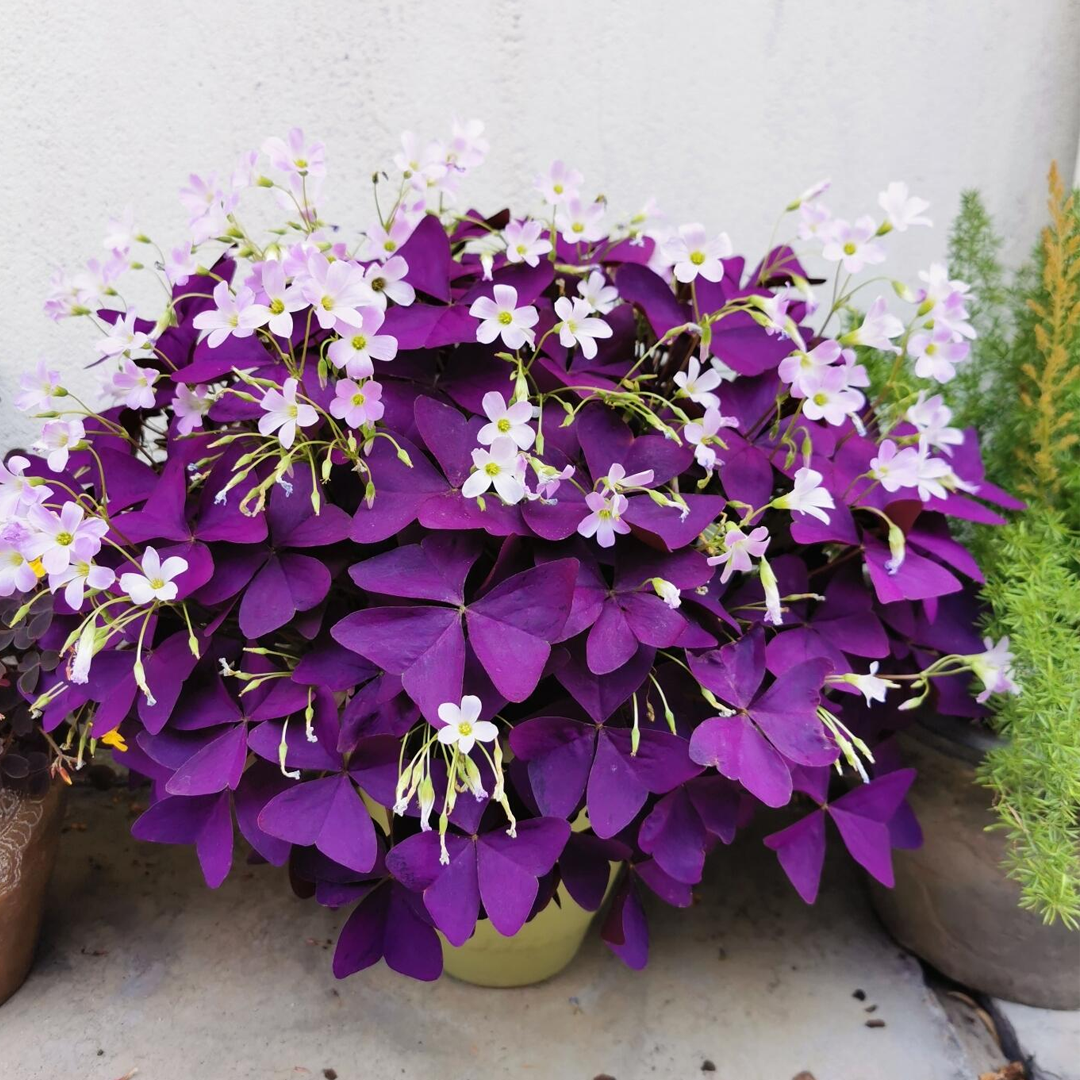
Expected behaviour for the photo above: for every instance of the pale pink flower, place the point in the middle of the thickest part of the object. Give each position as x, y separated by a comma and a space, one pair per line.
690, 252
294, 154
356, 351
123, 337
853, 246
895, 468
501, 467
605, 519
937, 353
901, 208
279, 298
580, 222
931, 417
548, 480
246, 173
504, 421
120, 232
946, 298
994, 669
501, 317
796, 367
208, 207
382, 243
336, 291
468, 147
232, 316
739, 548
133, 386
559, 184
828, 396
40, 389
18, 492
58, 538
284, 414
16, 573
156, 582
815, 221
524, 242
180, 265
597, 293
617, 478
357, 403
578, 326
190, 405
56, 441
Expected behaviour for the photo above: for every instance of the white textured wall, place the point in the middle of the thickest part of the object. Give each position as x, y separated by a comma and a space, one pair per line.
723, 110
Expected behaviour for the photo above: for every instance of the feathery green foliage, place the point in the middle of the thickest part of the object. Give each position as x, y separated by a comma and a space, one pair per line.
1021, 390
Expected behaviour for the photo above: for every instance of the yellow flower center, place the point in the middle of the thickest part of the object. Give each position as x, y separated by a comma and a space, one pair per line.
277, 306
300, 163
64, 538
850, 248
464, 728
820, 398
503, 425
492, 469
358, 399
157, 583
359, 343
327, 303
578, 226
378, 284
931, 349
521, 249
557, 188
291, 411
604, 515
389, 245
697, 257
506, 317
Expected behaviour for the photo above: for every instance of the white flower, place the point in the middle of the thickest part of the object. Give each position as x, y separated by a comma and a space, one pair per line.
237, 316
56, 441
597, 293
618, 480
501, 317
361, 344
894, 468
578, 326
386, 281
828, 394
877, 330
79, 669
690, 252
815, 221
902, 209
40, 388
156, 580
702, 434
936, 353
124, 338
929, 472
605, 518
509, 421
284, 414
464, 728
59, 538
17, 574
870, 686
190, 405
524, 243
994, 668
580, 222
698, 386
281, 299
120, 231
931, 417
774, 614
559, 184
667, 592
853, 246
807, 496
501, 466
79, 576
468, 147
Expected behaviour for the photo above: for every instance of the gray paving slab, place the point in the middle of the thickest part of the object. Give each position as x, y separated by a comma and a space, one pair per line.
142, 967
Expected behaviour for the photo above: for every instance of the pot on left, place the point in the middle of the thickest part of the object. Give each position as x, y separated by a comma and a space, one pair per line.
29, 837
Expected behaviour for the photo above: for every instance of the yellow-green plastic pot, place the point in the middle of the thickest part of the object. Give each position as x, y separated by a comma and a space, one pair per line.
539, 950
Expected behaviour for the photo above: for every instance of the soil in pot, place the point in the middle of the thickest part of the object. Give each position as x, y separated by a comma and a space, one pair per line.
952, 904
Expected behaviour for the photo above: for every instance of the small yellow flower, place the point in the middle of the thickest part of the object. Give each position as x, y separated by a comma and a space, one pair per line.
115, 740
37, 567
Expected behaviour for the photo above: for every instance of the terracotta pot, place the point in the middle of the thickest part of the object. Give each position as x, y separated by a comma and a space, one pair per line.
29, 837
953, 905
539, 950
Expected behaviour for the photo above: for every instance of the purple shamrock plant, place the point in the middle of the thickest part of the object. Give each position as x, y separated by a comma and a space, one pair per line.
457, 561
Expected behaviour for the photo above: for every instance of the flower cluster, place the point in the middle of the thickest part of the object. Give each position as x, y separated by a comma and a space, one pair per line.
455, 561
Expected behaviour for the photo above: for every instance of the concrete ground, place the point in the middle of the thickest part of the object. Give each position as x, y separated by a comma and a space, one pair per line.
145, 972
